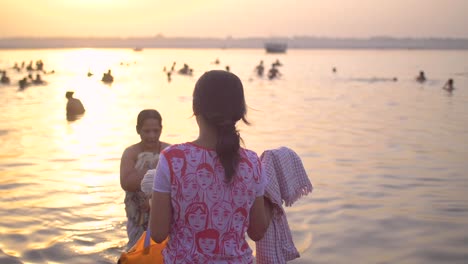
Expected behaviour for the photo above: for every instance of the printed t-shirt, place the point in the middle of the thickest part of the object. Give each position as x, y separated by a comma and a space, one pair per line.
210, 217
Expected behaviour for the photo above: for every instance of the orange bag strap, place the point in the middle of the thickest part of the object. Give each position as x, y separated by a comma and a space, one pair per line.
147, 238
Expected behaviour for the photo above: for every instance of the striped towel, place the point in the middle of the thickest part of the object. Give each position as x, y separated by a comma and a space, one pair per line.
288, 183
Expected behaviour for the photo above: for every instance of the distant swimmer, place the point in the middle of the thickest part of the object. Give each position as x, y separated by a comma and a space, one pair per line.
277, 63
5, 79
169, 79
23, 83
38, 79
185, 70
260, 69
421, 77
273, 72
334, 70
74, 107
107, 77
449, 86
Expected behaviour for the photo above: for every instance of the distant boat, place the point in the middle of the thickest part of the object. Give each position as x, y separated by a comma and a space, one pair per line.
137, 49
276, 47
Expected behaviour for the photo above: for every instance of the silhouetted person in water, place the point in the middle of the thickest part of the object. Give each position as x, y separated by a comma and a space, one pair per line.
185, 70
334, 70
5, 79
449, 86
421, 77
39, 65
23, 83
74, 107
107, 77
169, 79
273, 72
38, 79
260, 69
277, 63
228, 68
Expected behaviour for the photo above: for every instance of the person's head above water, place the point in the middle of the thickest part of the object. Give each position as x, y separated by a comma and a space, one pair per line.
218, 98
69, 94
147, 114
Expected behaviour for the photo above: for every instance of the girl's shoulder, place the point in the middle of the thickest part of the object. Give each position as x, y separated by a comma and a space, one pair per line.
186, 146
170, 147
165, 145
177, 149
249, 154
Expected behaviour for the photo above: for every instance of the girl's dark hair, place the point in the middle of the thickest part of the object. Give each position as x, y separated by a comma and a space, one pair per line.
147, 114
219, 97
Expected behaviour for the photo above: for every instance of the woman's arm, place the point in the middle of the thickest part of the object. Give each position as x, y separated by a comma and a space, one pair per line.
130, 178
160, 216
260, 218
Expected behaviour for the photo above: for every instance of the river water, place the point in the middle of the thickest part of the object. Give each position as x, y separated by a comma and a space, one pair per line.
388, 160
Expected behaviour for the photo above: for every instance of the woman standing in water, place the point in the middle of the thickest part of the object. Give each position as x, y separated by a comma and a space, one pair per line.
135, 161
218, 103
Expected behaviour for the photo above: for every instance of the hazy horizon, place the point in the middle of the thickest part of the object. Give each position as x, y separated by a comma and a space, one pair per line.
238, 19
229, 37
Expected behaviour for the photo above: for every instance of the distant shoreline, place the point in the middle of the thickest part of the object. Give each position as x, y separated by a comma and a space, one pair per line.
237, 43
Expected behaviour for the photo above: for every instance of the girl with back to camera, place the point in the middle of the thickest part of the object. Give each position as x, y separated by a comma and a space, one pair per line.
218, 103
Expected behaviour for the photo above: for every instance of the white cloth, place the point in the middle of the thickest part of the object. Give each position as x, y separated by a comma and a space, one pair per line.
288, 183
147, 182
147, 160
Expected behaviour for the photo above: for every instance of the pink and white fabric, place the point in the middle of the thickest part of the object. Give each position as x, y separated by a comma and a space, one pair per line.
210, 217
288, 182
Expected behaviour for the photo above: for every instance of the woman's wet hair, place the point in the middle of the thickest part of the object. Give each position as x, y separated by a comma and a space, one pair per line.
147, 114
219, 97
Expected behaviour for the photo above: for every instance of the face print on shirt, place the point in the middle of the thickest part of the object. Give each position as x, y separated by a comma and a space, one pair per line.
245, 171
229, 244
218, 167
239, 194
181, 256
254, 162
193, 156
205, 175
190, 187
207, 241
251, 197
176, 160
239, 219
221, 215
215, 192
196, 216
176, 210
177, 165
186, 238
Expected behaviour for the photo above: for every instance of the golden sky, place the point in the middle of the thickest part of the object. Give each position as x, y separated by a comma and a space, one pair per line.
237, 18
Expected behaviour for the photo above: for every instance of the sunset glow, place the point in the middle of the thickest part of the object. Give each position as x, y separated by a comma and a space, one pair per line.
243, 18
